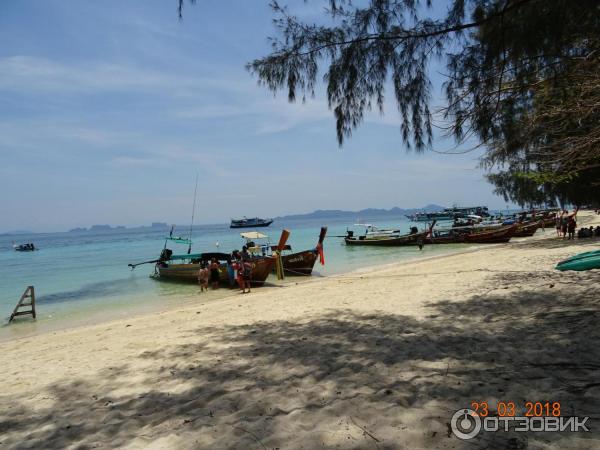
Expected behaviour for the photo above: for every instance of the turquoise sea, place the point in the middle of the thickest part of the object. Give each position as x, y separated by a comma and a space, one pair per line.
82, 277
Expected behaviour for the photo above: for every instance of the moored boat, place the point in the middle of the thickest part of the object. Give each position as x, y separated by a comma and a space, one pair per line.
302, 263
499, 235
294, 263
250, 223
447, 236
527, 229
373, 231
187, 270
185, 267
407, 239
456, 212
29, 247
413, 238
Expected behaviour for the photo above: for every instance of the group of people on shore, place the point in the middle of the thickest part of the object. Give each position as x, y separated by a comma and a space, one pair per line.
566, 224
588, 232
239, 269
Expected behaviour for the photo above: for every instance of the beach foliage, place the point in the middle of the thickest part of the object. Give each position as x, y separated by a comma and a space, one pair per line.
520, 78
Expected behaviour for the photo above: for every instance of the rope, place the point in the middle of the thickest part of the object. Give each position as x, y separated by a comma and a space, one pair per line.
297, 273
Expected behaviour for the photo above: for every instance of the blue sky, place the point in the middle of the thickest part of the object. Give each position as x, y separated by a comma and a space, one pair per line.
108, 109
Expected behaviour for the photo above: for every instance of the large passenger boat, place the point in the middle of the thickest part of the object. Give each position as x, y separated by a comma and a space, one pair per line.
250, 223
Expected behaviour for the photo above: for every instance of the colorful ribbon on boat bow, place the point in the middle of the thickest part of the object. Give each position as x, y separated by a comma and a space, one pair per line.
321, 254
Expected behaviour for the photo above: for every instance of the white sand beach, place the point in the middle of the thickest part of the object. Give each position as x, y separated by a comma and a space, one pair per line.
373, 360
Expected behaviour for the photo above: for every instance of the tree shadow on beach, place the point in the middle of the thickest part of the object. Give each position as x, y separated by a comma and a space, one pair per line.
340, 380
556, 242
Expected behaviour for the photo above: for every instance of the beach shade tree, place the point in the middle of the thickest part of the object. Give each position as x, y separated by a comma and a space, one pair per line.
518, 74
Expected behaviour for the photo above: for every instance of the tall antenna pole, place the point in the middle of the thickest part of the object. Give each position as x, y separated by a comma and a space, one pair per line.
193, 212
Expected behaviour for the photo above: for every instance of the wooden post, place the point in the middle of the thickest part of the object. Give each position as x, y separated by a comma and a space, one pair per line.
28, 294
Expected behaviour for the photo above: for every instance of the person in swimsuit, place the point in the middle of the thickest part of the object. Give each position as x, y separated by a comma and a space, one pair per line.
572, 226
203, 277
214, 273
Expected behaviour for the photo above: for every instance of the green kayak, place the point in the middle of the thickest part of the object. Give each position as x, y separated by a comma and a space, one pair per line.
582, 261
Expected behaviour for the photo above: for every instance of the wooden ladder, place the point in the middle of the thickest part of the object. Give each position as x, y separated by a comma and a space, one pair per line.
28, 294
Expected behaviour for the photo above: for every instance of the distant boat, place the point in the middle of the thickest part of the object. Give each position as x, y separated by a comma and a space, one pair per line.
456, 212
427, 217
250, 223
29, 247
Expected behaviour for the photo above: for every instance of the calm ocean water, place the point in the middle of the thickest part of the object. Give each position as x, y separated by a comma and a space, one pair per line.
82, 277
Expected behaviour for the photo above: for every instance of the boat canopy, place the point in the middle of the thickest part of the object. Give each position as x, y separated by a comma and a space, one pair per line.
187, 256
179, 240
253, 235
203, 256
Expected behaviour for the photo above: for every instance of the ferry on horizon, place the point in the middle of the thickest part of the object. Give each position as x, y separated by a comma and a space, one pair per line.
250, 223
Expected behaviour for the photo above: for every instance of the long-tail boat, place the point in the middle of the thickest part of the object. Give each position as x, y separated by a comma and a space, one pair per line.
302, 263
185, 267
413, 238
447, 236
527, 229
499, 235
297, 263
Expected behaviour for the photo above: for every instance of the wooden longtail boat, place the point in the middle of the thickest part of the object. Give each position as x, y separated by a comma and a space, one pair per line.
448, 236
188, 271
298, 263
414, 238
527, 229
185, 267
302, 263
502, 234
405, 239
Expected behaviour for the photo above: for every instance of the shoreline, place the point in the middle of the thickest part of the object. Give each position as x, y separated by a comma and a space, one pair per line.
395, 351
229, 293
223, 293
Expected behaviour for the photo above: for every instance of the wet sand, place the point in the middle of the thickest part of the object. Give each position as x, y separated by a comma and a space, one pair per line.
380, 359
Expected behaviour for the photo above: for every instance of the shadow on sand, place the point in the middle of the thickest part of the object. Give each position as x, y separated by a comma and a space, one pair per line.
341, 380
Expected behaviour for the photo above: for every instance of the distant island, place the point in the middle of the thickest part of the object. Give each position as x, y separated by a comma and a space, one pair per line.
363, 213
15, 232
153, 225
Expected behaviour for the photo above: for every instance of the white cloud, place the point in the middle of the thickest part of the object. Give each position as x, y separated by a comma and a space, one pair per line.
25, 74
130, 161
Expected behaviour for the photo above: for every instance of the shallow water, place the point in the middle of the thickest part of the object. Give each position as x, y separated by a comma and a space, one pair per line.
82, 277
